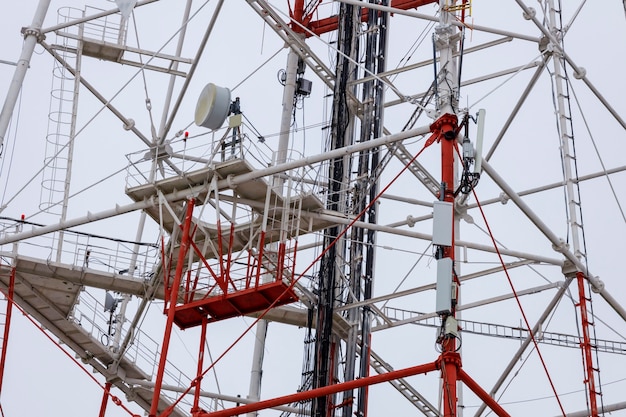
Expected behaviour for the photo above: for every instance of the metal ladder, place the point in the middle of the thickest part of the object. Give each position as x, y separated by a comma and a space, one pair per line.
295, 40
574, 208
403, 387
61, 122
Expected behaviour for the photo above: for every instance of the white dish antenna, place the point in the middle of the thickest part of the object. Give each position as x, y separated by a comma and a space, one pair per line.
110, 303
213, 106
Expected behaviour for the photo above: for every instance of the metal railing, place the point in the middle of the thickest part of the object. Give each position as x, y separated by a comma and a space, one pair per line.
195, 153
85, 250
109, 29
92, 317
143, 352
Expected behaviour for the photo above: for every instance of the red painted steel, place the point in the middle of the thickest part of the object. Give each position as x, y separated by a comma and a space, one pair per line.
234, 304
482, 394
586, 346
184, 246
329, 24
198, 380
323, 391
7, 325
191, 313
446, 130
228, 292
105, 399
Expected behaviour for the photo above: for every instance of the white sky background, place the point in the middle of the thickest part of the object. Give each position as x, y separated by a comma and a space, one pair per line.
39, 379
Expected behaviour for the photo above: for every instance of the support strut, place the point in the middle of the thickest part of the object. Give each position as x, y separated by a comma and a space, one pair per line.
586, 346
323, 391
105, 399
171, 308
7, 325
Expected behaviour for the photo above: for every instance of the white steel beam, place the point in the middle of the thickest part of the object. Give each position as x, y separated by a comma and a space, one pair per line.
428, 237
106, 103
561, 285
226, 183
520, 351
32, 35
518, 106
395, 230
429, 62
174, 66
168, 125
605, 408
558, 243
427, 287
578, 71
436, 19
206, 394
464, 83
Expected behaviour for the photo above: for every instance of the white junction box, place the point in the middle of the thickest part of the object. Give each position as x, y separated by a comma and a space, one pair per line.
442, 223
444, 286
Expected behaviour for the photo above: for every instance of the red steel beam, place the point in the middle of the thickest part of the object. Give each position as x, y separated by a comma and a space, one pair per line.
196, 398
446, 129
105, 399
322, 391
7, 324
481, 393
184, 247
329, 24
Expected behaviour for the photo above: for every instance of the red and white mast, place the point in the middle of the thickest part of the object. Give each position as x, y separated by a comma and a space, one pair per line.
445, 130
446, 40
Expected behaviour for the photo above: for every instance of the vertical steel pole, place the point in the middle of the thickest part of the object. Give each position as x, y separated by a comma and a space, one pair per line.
160, 136
196, 398
445, 129
586, 346
574, 203
184, 246
31, 37
449, 357
289, 91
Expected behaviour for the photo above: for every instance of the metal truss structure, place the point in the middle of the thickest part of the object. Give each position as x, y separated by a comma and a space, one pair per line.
411, 207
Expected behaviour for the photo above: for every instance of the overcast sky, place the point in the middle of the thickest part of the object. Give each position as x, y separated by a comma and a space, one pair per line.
40, 379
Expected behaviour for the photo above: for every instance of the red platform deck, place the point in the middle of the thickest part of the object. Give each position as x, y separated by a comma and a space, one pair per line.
234, 304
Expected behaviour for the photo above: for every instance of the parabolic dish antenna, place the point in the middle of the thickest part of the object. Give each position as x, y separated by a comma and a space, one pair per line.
213, 106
